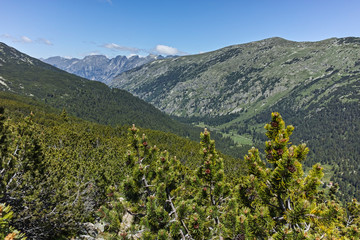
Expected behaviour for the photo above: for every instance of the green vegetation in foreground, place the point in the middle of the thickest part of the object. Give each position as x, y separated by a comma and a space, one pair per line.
56, 169
160, 199
7, 231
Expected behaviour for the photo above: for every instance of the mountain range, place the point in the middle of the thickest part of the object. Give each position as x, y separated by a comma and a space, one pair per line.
23, 75
99, 67
314, 85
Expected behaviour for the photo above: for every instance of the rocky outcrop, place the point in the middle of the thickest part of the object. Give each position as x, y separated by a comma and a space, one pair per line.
99, 67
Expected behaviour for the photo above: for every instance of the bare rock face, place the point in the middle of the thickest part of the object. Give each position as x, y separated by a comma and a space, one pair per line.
91, 231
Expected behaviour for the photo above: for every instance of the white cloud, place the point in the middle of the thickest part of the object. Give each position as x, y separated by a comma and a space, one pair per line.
45, 41
166, 50
25, 39
114, 46
159, 49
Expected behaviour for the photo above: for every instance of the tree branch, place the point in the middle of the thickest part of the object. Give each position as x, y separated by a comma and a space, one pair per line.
177, 217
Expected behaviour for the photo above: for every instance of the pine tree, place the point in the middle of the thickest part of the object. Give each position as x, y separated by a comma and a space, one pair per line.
281, 202
21, 170
22, 173
64, 115
148, 194
276, 200
6, 162
167, 200
208, 192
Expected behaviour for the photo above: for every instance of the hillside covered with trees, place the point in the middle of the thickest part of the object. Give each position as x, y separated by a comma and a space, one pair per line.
60, 172
56, 169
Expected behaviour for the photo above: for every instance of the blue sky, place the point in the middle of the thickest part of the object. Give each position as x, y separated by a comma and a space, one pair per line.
76, 28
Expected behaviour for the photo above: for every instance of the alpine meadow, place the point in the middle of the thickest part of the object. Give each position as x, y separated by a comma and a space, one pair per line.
163, 120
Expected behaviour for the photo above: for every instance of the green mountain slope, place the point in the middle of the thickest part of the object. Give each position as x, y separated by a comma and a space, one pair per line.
90, 100
243, 78
314, 85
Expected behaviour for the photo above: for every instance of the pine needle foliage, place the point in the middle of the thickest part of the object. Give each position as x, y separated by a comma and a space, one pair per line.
7, 231
276, 200
54, 177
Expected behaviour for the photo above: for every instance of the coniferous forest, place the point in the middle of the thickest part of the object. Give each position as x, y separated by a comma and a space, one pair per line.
59, 173
56, 169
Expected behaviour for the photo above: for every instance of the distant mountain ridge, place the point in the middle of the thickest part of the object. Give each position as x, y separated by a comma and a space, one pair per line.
99, 67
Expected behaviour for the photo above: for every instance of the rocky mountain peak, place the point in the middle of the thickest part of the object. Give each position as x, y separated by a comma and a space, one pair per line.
99, 67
